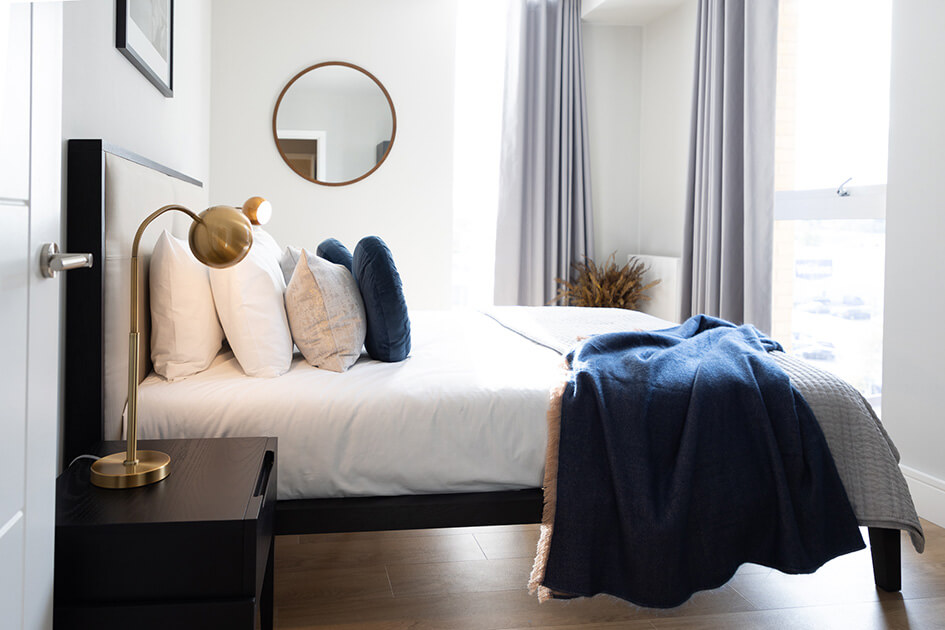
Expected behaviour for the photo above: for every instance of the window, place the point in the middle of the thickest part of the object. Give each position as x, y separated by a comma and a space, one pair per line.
830, 176
481, 33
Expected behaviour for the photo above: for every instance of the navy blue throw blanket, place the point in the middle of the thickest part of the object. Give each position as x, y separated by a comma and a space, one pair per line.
684, 453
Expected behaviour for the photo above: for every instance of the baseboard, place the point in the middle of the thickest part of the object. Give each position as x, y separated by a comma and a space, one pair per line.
928, 493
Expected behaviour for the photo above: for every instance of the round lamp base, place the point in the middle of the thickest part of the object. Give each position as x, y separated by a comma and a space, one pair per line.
112, 472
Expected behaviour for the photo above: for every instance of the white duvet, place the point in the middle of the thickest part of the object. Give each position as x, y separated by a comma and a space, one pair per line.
464, 413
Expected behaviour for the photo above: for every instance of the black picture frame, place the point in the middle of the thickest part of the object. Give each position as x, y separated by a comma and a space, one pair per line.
139, 48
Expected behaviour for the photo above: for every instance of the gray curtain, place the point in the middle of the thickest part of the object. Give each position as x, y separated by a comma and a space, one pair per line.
727, 251
544, 220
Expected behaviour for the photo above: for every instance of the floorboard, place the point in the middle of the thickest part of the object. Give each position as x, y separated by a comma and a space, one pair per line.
473, 578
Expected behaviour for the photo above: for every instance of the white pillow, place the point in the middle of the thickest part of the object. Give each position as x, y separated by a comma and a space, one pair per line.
263, 240
326, 313
250, 303
185, 331
288, 261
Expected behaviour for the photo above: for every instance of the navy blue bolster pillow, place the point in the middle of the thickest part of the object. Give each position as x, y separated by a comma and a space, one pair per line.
388, 326
332, 250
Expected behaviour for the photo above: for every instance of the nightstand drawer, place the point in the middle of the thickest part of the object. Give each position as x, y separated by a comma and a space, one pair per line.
163, 561
186, 615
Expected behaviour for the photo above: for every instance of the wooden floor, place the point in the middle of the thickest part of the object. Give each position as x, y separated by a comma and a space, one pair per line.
474, 578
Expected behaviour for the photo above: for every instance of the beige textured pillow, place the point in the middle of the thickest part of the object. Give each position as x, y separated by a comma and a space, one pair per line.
326, 313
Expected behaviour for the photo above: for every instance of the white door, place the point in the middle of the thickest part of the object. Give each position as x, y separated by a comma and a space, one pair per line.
30, 167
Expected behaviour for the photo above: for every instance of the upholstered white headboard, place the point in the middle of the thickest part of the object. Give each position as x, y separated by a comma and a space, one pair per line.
132, 192
109, 192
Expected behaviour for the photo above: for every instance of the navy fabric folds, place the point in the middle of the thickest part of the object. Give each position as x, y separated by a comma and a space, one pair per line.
685, 453
388, 324
332, 250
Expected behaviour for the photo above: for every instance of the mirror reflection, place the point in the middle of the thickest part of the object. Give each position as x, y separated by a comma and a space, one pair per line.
334, 123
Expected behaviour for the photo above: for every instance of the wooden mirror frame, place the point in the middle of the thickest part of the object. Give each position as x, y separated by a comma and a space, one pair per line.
390, 103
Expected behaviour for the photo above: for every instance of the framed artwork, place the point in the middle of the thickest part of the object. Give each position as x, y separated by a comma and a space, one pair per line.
144, 33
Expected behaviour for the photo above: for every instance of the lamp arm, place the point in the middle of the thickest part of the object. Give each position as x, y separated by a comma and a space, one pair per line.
152, 217
134, 358
134, 255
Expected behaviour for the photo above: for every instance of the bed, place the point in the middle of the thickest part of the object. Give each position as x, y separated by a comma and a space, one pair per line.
109, 191
454, 436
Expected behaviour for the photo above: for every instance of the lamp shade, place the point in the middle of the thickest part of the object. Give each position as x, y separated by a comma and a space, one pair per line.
258, 210
221, 236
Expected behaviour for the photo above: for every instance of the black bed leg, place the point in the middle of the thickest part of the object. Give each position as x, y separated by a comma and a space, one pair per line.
887, 569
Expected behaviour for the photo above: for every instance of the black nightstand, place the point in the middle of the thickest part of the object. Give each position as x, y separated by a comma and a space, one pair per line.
192, 551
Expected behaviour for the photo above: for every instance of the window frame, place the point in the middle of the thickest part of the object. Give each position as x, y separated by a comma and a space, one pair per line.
863, 202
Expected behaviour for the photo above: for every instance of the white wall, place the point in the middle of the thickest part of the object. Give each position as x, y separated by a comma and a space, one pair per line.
669, 45
104, 96
409, 46
612, 57
913, 372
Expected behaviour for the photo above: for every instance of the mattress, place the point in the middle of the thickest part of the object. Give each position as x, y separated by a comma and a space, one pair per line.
464, 413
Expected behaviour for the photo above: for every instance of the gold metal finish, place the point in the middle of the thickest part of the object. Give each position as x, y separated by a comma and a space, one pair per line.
114, 472
257, 210
220, 237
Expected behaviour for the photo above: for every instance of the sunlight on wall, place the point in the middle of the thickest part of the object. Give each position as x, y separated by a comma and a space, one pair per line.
479, 84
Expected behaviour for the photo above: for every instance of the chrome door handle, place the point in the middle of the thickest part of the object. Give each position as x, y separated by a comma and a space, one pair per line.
52, 262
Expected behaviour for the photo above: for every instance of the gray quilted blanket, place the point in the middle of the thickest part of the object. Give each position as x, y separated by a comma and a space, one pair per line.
866, 457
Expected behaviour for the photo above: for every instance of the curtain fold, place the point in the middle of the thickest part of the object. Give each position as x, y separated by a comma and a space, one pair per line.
545, 217
728, 241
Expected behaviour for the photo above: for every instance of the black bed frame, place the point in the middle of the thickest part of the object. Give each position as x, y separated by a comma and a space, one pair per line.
85, 379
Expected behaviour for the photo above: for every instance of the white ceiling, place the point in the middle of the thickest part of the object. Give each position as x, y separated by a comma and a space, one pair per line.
626, 12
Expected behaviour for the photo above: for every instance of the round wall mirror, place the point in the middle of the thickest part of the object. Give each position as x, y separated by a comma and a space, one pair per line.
334, 123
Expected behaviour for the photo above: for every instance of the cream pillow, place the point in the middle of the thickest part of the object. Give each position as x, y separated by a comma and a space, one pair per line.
326, 313
185, 331
250, 302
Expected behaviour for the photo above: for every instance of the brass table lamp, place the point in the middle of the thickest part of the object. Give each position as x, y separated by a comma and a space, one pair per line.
219, 237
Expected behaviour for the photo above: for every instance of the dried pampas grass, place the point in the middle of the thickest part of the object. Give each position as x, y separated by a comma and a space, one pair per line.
607, 285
